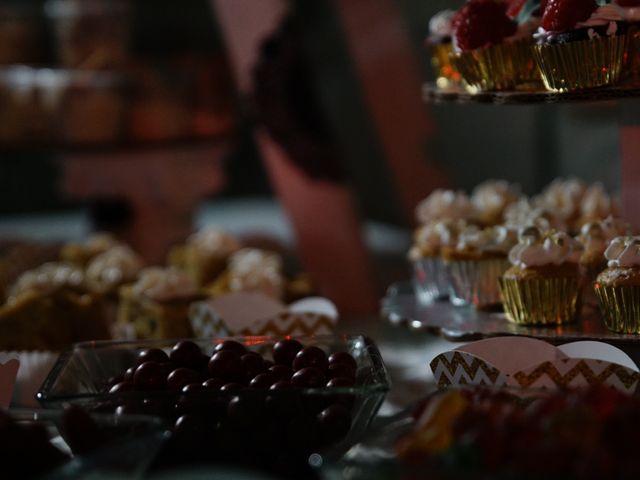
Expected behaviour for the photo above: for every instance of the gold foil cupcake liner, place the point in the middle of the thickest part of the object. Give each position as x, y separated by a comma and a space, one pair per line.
475, 282
500, 67
620, 307
582, 64
430, 279
447, 74
543, 301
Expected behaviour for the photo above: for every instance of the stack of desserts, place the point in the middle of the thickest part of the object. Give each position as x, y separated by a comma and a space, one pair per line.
542, 257
561, 45
101, 289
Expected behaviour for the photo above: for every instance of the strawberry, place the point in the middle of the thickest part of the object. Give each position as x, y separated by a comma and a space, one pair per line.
481, 23
563, 15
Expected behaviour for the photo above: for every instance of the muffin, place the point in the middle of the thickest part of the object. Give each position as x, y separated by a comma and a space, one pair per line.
252, 270
204, 255
542, 285
157, 305
49, 308
618, 286
440, 47
491, 51
580, 45
430, 278
476, 263
80, 254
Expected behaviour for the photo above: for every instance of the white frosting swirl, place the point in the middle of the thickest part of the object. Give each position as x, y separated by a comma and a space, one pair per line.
213, 241
562, 197
596, 203
593, 238
164, 284
251, 269
114, 267
493, 196
47, 278
524, 214
440, 24
433, 236
537, 249
623, 252
492, 239
443, 205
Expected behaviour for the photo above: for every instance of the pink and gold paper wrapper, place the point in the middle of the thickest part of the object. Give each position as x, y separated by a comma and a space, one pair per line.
475, 282
447, 74
543, 301
506, 66
583, 64
620, 307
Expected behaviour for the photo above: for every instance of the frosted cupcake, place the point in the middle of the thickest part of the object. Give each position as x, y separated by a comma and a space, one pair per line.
618, 286
596, 205
490, 199
476, 263
445, 205
524, 213
491, 51
580, 45
430, 276
542, 285
440, 47
562, 199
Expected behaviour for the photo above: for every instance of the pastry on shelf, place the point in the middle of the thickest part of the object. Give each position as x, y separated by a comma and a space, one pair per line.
581, 45
543, 283
445, 205
490, 200
476, 263
618, 286
492, 52
252, 270
203, 257
80, 254
596, 205
18, 256
49, 308
157, 305
109, 271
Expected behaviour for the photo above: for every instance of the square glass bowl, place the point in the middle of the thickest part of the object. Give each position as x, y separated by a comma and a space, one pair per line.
273, 428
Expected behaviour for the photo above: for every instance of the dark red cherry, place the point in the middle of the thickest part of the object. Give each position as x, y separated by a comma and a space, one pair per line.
252, 364
308, 377
263, 380
151, 355
340, 382
150, 375
186, 354
343, 358
226, 364
232, 346
180, 377
121, 387
340, 370
281, 372
213, 383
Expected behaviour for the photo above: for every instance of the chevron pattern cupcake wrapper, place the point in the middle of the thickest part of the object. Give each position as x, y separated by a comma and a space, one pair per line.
459, 368
573, 372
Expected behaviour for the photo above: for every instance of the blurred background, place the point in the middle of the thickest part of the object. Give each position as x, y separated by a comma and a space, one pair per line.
298, 121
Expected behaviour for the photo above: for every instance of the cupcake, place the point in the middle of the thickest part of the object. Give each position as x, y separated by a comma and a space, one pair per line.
476, 263
440, 48
252, 270
157, 305
542, 285
618, 286
49, 308
445, 205
204, 255
596, 205
430, 278
490, 199
490, 50
595, 238
562, 199
580, 45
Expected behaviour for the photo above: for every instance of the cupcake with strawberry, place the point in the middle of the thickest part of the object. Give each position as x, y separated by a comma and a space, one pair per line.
581, 44
490, 50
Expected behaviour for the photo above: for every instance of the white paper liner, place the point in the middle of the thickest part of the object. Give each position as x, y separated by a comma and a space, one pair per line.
34, 368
